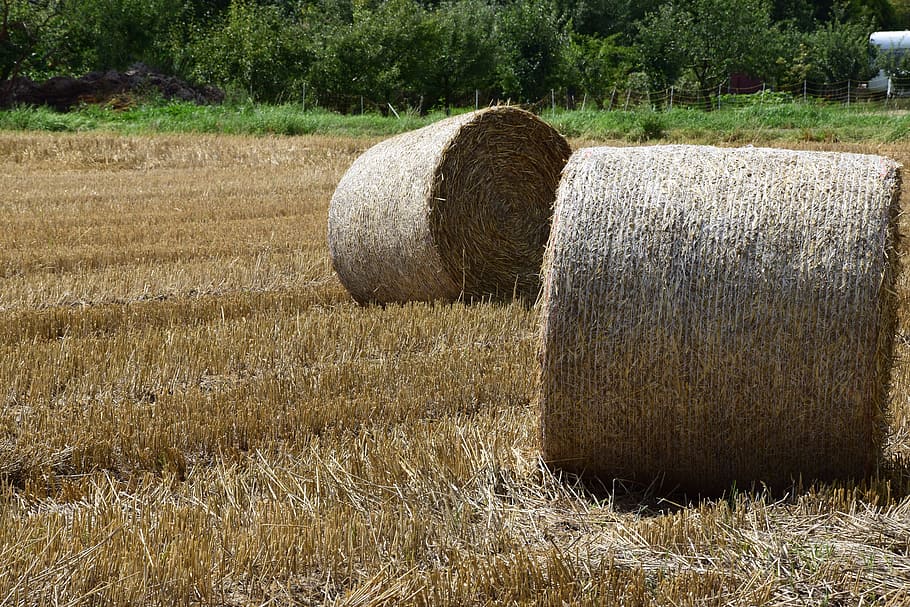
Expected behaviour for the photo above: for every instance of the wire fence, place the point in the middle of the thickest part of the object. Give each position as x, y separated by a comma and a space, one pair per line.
884, 92
880, 93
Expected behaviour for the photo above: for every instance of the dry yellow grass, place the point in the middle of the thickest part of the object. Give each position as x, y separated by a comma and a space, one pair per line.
193, 411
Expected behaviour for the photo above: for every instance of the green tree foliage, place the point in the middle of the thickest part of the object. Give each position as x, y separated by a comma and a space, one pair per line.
113, 34
708, 38
597, 17
881, 13
435, 53
255, 49
639, 10
659, 45
384, 54
901, 14
462, 52
596, 64
34, 37
798, 13
532, 39
321, 13
840, 51
808, 14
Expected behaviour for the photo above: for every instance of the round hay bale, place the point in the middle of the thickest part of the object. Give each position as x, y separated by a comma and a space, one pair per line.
716, 316
457, 209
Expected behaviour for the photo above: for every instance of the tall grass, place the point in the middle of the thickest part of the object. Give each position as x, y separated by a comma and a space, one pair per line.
787, 122
226, 119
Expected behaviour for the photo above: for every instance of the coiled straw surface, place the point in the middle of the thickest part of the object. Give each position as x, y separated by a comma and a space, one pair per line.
460, 208
713, 316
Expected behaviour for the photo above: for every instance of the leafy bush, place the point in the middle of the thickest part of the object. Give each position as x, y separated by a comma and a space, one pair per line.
109, 34
34, 38
766, 97
254, 49
708, 38
648, 126
840, 51
422, 54
463, 54
596, 64
532, 39
384, 54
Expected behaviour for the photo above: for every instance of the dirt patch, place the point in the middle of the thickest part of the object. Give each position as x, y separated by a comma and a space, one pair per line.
111, 87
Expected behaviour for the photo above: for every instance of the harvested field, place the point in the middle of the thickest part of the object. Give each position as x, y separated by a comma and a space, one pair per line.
194, 411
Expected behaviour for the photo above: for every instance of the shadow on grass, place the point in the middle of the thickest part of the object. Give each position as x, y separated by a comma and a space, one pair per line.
890, 485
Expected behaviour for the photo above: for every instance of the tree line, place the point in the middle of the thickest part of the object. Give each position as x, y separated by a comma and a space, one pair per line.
438, 53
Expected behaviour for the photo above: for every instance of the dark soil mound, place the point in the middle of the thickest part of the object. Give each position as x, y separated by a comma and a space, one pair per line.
63, 92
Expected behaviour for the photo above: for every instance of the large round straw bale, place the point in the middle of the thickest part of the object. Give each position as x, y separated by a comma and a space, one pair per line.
715, 316
460, 208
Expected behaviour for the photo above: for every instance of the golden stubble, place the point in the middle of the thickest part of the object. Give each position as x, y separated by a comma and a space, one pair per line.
194, 411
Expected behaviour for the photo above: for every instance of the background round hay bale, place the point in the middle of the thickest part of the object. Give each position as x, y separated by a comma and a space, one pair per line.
460, 208
713, 316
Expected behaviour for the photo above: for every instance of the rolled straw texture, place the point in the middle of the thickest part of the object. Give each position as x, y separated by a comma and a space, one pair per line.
460, 208
716, 316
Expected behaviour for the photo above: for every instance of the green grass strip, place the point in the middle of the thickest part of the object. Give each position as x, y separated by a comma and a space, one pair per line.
791, 121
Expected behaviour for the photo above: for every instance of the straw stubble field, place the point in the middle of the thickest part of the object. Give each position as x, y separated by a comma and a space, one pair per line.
194, 411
